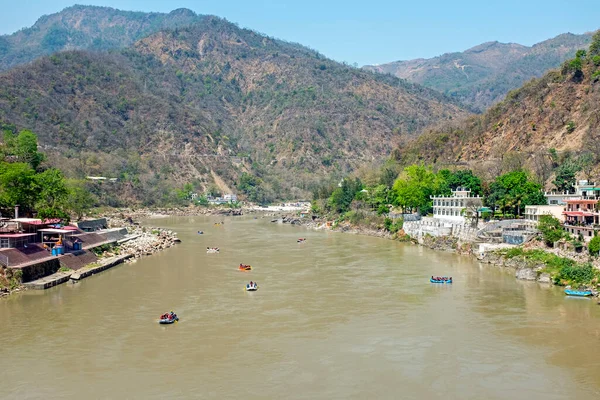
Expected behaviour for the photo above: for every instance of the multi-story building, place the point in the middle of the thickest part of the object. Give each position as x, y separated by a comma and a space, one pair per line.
458, 205
583, 190
582, 217
533, 213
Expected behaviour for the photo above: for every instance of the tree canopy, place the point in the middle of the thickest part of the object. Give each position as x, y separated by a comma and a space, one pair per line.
24, 182
513, 191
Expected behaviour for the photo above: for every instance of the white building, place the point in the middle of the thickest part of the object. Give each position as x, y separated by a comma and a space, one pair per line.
226, 199
454, 207
533, 213
583, 190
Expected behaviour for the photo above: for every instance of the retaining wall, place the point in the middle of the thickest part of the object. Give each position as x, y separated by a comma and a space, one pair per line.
436, 227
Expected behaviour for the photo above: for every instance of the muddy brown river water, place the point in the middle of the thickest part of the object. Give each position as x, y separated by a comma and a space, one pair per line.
337, 317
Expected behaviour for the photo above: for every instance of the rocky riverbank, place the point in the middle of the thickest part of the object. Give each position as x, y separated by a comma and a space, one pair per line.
322, 224
131, 214
145, 241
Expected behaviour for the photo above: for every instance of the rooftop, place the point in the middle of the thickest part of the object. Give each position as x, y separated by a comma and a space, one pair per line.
16, 235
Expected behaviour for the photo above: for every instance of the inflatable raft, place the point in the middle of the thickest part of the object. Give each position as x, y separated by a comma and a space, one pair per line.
449, 280
168, 320
581, 293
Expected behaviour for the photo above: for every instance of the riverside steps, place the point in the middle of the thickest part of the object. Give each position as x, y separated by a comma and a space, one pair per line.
48, 281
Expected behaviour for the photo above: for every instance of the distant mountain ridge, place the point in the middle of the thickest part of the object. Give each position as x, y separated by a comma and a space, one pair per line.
86, 27
482, 75
206, 103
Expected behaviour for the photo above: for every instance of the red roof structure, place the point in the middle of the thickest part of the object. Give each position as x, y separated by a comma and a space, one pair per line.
15, 235
578, 214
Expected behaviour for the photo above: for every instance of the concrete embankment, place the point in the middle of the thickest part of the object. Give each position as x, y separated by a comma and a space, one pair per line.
63, 276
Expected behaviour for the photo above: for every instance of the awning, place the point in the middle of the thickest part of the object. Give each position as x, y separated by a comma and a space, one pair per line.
36, 221
578, 214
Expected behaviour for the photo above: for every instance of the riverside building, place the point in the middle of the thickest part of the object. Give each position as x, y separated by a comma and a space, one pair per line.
457, 206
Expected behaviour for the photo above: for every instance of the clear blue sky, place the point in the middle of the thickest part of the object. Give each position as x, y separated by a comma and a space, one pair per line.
365, 32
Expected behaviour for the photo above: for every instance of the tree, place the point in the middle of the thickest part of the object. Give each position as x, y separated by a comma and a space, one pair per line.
542, 167
472, 206
388, 176
414, 187
25, 149
17, 185
551, 229
565, 176
595, 45
252, 186
378, 198
52, 194
514, 191
79, 199
342, 197
464, 178
586, 165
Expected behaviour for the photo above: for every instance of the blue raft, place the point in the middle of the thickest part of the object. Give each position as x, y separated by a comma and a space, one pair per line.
440, 281
582, 293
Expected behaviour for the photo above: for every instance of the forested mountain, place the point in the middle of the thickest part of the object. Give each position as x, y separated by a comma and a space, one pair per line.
547, 122
86, 27
213, 105
483, 75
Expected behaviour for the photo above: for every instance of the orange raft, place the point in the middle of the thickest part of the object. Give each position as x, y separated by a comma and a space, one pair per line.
243, 267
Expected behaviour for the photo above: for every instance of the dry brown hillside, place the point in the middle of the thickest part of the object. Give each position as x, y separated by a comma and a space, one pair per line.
559, 111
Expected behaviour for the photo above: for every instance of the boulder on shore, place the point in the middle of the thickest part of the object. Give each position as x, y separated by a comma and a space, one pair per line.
526, 274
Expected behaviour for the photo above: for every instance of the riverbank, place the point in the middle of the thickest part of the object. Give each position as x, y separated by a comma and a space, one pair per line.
532, 261
139, 241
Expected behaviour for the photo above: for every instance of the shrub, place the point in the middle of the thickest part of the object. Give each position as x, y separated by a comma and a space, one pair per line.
571, 127
576, 274
393, 226
382, 209
551, 229
594, 246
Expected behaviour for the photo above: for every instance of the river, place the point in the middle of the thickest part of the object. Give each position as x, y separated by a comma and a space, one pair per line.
338, 317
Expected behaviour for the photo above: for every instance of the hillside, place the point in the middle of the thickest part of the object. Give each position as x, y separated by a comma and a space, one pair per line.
547, 120
483, 75
205, 104
86, 27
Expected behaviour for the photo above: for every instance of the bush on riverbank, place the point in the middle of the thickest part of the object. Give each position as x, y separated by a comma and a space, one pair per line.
360, 218
10, 279
563, 271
